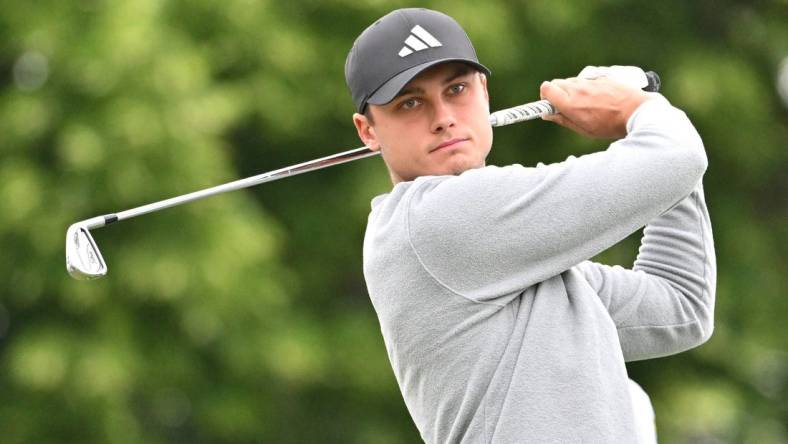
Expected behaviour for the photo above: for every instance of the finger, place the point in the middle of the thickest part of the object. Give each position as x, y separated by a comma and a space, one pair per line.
556, 118
566, 81
555, 94
590, 72
569, 85
563, 121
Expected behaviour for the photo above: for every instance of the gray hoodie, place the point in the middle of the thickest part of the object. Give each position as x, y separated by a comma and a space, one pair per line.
498, 327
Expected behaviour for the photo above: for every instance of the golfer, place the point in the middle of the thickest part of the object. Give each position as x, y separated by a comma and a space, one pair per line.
498, 327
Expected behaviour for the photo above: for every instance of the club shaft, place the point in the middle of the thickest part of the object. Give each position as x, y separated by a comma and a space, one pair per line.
504, 117
312, 165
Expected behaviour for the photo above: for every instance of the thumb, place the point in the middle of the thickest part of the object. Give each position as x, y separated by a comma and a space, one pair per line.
555, 94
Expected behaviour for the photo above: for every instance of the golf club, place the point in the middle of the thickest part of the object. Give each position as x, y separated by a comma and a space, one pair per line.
84, 260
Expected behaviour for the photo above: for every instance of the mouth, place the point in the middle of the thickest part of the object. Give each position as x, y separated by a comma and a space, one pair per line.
449, 143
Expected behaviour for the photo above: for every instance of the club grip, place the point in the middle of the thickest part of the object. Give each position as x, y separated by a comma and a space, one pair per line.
535, 110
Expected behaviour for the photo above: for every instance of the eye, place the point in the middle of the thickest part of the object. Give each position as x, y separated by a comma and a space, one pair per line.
409, 104
457, 88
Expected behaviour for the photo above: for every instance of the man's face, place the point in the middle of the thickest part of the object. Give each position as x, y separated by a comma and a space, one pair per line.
437, 125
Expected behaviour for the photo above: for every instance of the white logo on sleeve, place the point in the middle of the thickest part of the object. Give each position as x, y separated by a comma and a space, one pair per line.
418, 40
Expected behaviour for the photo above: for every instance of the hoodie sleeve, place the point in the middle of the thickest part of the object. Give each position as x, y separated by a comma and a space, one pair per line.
491, 232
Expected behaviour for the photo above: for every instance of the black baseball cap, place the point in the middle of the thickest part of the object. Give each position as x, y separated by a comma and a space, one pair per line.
399, 46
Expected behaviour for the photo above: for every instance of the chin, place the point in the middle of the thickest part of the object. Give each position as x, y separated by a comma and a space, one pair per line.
467, 166
459, 171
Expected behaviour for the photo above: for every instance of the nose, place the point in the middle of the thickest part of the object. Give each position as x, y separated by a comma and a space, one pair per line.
443, 117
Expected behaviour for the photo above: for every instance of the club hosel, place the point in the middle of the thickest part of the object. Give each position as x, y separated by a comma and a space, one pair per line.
98, 221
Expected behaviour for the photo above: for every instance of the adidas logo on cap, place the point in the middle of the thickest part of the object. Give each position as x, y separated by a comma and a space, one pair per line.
419, 39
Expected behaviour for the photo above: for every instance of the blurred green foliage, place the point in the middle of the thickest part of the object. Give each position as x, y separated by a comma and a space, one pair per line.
244, 318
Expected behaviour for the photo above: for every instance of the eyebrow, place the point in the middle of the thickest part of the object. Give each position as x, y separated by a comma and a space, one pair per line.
459, 72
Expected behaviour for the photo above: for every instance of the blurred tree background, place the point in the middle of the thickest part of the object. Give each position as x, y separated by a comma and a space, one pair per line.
245, 318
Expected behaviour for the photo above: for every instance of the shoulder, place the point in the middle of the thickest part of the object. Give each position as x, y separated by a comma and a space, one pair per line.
475, 189
470, 183
431, 201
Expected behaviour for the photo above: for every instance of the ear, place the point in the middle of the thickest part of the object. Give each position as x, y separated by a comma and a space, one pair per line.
483, 79
366, 132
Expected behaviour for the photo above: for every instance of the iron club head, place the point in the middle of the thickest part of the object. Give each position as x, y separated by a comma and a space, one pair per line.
83, 258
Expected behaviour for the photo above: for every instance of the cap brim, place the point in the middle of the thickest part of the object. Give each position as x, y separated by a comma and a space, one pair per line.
389, 90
